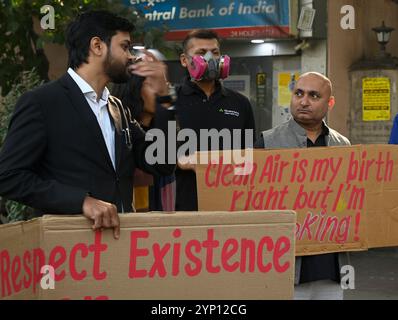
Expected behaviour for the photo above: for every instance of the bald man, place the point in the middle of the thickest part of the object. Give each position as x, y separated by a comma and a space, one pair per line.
317, 277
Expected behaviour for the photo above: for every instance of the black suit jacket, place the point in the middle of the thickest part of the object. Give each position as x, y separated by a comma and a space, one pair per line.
54, 153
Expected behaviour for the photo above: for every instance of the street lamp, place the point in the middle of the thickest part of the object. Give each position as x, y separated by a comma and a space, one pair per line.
383, 34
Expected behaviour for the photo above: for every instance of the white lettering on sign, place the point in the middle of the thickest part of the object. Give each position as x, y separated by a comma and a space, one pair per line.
261, 7
196, 13
158, 16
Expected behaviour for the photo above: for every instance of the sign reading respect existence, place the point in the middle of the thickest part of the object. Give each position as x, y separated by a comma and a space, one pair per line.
193, 255
231, 19
346, 198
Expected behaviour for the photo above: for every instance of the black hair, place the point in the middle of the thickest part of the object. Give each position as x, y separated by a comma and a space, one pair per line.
199, 34
99, 23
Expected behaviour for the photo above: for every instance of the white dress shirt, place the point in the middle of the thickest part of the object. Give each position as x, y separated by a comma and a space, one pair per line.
100, 110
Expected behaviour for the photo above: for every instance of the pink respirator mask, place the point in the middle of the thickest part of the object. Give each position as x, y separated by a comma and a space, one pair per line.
209, 68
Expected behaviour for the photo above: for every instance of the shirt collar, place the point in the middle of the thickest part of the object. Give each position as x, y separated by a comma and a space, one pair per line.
85, 87
301, 131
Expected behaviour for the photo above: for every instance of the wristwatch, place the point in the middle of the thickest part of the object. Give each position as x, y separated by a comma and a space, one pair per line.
164, 99
170, 98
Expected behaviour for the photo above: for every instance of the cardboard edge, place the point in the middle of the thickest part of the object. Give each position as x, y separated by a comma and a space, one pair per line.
170, 219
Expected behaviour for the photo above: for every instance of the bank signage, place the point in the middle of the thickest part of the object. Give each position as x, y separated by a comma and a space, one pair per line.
230, 18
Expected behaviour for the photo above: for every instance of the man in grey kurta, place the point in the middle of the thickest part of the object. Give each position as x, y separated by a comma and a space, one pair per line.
317, 277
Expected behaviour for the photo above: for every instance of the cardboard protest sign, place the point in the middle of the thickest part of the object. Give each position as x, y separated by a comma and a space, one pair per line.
346, 198
381, 194
205, 255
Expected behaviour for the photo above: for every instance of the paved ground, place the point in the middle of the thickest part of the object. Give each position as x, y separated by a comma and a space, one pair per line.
376, 275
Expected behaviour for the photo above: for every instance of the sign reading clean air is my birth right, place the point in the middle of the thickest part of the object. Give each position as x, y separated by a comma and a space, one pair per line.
346, 198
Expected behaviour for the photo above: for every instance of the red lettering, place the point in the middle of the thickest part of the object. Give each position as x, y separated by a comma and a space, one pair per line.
267, 170
282, 247
247, 245
239, 179
245, 254
217, 166
312, 199
72, 261
306, 227
299, 172
193, 271
16, 269
158, 264
5, 269
56, 263
27, 281
135, 252
97, 248
337, 199
343, 230
258, 201
235, 196
303, 165
294, 169
210, 244
273, 169
228, 169
176, 253
260, 252
352, 168
244, 174
284, 192
273, 196
249, 198
227, 254
331, 225
389, 168
207, 176
38, 263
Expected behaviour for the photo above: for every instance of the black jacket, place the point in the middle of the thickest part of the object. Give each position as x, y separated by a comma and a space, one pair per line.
55, 154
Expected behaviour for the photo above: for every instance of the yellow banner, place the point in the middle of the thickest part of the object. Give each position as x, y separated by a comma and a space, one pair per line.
376, 99
286, 81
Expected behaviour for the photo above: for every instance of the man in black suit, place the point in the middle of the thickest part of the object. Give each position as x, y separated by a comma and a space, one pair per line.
71, 147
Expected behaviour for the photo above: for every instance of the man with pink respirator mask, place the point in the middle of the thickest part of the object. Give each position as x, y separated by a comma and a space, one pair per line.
204, 103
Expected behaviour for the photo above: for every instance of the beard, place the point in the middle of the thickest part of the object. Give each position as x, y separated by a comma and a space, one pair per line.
115, 70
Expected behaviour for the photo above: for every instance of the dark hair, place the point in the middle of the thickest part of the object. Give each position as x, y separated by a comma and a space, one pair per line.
199, 34
87, 25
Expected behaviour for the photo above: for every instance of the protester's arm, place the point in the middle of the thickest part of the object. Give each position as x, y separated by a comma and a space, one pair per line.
155, 73
20, 158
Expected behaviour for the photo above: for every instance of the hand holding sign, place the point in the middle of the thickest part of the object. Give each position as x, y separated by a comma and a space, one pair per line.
103, 213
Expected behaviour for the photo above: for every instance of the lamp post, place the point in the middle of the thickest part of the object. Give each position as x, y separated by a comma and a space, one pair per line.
383, 34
